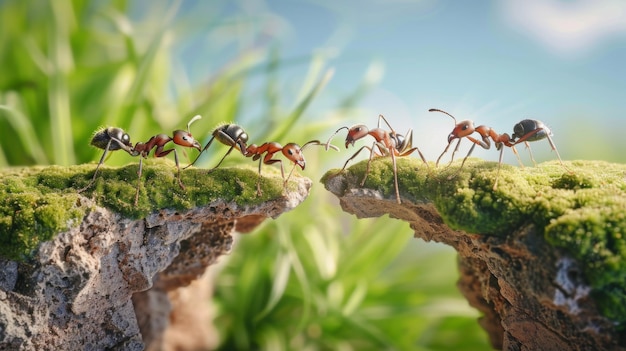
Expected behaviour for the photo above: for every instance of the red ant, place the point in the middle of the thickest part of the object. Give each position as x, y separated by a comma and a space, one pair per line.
292, 151
526, 130
230, 135
385, 144
109, 139
180, 137
465, 129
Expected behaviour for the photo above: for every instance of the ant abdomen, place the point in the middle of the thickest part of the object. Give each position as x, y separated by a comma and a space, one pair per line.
528, 125
104, 136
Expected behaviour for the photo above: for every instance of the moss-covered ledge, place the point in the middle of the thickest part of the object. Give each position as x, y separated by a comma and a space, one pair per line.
543, 256
70, 263
38, 202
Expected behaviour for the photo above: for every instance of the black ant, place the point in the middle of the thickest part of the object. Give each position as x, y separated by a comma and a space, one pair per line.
179, 137
109, 139
527, 130
292, 151
386, 143
230, 135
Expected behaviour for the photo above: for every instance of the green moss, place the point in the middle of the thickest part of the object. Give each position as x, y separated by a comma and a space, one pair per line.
38, 202
583, 212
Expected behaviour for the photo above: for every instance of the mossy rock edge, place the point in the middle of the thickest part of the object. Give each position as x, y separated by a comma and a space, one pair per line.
36, 203
581, 209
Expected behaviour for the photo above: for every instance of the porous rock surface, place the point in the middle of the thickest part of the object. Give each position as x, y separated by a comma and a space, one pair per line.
532, 296
112, 282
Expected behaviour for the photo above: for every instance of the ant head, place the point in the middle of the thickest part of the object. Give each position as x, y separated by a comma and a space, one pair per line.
293, 152
461, 130
355, 133
184, 138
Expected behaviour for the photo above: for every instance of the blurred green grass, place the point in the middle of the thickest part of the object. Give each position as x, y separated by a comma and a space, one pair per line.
315, 278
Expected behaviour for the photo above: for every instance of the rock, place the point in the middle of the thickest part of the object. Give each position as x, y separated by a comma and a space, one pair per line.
106, 275
542, 257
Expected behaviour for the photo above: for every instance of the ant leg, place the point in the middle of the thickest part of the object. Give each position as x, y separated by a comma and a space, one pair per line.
422, 157
458, 143
466, 156
523, 140
282, 172
159, 152
95, 173
180, 182
269, 162
482, 143
139, 171
462, 163
518, 157
495, 183
384, 119
224, 157
395, 176
353, 156
531, 153
443, 153
410, 151
200, 154
557, 154
258, 182
369, 161
289, 176
528, 135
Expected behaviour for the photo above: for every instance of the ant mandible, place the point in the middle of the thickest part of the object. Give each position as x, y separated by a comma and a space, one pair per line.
109, 139
180, 137
388, 143
292, 151
527, 130
230, 135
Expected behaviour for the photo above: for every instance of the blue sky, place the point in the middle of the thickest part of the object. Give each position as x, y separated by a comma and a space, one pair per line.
495, 62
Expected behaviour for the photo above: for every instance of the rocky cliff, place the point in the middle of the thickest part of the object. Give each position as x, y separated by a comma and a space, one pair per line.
543, 257
93, 271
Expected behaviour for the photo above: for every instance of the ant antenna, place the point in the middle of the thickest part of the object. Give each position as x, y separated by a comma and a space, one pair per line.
442, 111
317, 142
328, 144
195, 118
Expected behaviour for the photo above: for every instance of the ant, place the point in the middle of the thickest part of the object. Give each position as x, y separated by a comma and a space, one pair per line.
465, 129
180, 137
292, 151
109, 139
386, 143
527, 130
228, 134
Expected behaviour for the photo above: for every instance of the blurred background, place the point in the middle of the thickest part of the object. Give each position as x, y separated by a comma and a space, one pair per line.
298, 70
